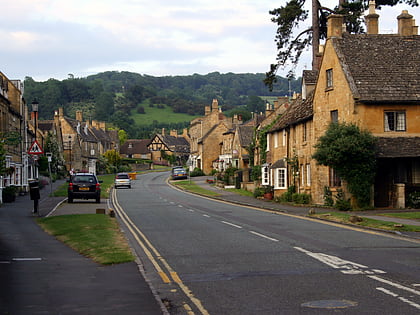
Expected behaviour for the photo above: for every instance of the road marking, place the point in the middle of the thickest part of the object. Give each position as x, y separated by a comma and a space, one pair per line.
231, 224
345, 266
26, 259
403, 299
264, 236
180, 206
191, 210
206, 215
146, 244
398, 286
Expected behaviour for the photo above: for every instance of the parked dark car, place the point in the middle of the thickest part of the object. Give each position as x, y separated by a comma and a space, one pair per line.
84, 186
179, 173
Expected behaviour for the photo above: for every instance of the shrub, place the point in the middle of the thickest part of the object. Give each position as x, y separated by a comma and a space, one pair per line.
414, 200
301, 198
196, 172
341, 203
328, 197
259, 192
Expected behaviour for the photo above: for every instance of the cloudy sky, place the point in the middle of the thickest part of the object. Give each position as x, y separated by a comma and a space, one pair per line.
46, 39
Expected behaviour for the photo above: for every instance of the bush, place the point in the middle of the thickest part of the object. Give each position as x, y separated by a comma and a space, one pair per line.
196, 172
341, 203
414, 200
301, 198
328, 197
259, 192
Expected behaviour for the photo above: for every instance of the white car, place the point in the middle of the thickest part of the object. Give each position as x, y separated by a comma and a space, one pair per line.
122, 180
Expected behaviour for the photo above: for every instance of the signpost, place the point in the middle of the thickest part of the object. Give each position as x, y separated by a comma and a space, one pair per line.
35, 150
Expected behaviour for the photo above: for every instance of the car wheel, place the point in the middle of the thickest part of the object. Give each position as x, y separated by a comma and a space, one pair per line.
98, 199
129, 186
70, 200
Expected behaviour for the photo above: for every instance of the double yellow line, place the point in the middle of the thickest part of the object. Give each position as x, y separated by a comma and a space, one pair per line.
154, 256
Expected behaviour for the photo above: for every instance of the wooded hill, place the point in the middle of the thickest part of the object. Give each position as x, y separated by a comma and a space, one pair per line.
120, 97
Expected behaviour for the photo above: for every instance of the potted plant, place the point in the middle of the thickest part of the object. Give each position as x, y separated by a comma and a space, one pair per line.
268, 192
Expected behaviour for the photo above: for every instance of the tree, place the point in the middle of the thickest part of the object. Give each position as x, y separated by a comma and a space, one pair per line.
290, 16
351, 152
255, 104
113, 158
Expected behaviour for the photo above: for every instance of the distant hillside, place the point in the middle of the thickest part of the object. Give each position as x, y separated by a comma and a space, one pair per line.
125, 98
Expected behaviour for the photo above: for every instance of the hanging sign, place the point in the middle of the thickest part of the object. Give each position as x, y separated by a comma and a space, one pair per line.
35, 148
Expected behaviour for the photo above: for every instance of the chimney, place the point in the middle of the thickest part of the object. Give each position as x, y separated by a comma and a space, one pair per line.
173, 133
163, 131
207, 110
60, 112
371, 19
405, 24
215, 105
335, 25
79, 115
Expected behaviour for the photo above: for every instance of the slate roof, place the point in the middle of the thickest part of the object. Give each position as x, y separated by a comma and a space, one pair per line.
86, 136
180, 144
398, 147
298, 111
246, 134
135, 146
310, 76
381, 68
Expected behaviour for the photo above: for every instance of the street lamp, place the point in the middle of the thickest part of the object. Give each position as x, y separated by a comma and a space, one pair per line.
70, 170
35, 111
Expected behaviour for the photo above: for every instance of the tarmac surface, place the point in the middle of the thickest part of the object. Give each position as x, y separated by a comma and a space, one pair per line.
41, 275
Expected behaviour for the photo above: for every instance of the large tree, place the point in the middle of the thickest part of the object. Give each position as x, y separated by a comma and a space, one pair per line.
292, 15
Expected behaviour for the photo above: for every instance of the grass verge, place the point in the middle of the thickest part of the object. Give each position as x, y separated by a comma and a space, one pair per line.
194, 188
342, 217
93, 235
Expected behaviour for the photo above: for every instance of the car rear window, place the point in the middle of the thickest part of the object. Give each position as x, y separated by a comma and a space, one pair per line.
122, 176
84, 179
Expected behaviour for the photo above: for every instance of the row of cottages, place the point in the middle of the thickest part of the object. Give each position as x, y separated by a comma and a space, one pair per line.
81, 143
371, 80
15, 134
218, 142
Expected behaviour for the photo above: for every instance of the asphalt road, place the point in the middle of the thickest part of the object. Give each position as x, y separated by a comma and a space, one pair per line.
208, 257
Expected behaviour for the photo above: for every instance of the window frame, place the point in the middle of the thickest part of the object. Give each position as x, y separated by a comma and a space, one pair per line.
329, 78
396, 127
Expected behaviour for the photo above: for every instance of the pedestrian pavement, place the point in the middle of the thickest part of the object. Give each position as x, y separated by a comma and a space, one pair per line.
41, 275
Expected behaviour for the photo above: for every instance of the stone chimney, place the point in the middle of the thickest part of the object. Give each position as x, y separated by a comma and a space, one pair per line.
173, 133
215, 106
372, 19
207, 110
405, 24
335, 25
79, 115
163, 131
60, 112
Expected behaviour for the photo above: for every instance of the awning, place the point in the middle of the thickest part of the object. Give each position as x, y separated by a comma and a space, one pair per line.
278, 164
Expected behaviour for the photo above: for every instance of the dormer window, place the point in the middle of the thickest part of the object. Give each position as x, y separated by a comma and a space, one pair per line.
130, 145
329, 75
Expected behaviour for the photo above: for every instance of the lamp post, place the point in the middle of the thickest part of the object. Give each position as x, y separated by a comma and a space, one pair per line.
35, 111
70, 159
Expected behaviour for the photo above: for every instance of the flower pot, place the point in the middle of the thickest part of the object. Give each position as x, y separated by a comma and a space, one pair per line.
268, 196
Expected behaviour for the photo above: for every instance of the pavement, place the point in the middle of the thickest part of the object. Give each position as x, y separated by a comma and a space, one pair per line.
40, 275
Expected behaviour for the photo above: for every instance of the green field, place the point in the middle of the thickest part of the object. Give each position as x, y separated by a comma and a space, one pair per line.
160, 115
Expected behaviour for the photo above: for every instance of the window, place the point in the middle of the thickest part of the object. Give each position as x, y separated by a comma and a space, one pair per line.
394, 121
329, 74
334, 116
284, 138
268, 142
302, 174
335, 180
281, 178
304, 132
276, 139
308, 174
265, 180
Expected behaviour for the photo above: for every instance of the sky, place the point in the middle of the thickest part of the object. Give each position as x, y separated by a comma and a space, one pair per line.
46, 39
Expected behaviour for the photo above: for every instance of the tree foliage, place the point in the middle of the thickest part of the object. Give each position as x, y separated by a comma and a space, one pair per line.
351, 152
290, 17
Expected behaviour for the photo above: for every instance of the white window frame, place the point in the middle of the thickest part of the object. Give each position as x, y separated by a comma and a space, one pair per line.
284, 138
276, 139
268, 142
308, 174
265, 175
280, 178
302, 174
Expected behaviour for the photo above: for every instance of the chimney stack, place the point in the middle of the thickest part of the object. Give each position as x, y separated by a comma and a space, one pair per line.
215, 106
335, 25
406, 25
371, 19
79, 115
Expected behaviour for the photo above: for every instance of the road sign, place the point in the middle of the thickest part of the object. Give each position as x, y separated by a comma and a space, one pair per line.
35, 148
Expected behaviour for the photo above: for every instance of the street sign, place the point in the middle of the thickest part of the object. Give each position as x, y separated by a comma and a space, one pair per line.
35, 148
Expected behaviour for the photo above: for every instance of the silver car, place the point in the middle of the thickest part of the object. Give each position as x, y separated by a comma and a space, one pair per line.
122, 180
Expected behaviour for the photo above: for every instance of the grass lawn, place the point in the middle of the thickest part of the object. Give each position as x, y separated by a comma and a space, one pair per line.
344, 217
194, 188
403, 215
154, 113
96, 236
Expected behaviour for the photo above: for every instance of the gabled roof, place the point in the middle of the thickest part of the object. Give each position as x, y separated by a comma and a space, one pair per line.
381, 68
177, 144
100, 134
298, 111
310, 76
81, 129
246, 134
135, 146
